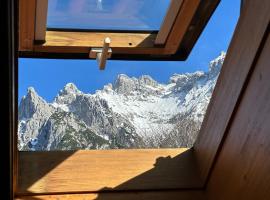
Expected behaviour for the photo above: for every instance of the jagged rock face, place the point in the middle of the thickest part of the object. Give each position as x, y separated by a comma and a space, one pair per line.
124, 84
33, 113
144, 85
67, 95
96, 113
131, 113
63, 131
32, 104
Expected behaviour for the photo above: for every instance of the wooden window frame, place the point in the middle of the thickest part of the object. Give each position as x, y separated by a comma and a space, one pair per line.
198, 160
180, 30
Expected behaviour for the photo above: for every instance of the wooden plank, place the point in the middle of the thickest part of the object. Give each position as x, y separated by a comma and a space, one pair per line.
197, 24
95, 39
242, 168
181, 25
97, 170
168, 21
153, 195
82, 42
238, 62
41, 19
27, 13
85, 50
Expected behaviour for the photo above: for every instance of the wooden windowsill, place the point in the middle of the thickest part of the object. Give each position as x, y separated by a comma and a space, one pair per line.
150, 195
107, 170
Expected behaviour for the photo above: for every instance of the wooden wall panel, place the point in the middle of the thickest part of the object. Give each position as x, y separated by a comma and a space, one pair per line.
247, 38
242, 170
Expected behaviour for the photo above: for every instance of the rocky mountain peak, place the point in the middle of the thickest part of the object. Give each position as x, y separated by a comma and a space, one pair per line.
31, 91
30, 104
215, 65
67, 94
107, 88
181, 79
122, 78
124, 84
147, 80
32, 96
70, 88
127, 85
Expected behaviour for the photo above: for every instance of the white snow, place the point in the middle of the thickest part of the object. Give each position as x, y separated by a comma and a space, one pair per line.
63, 107
150, 112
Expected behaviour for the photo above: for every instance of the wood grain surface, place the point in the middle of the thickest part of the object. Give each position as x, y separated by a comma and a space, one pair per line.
242, 51
27, 14
105, 170
153, 195
242, 168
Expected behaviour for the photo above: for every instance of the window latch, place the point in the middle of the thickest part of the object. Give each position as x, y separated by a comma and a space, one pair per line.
102, 54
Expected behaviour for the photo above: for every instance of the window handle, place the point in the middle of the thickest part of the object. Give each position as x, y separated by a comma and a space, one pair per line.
102, 54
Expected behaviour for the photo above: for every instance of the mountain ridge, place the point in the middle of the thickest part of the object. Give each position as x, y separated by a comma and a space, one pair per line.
129, 113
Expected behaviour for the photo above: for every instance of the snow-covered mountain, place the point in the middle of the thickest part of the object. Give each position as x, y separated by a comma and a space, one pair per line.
130, 113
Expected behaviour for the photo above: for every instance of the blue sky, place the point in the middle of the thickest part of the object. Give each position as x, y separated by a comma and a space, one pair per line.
48, 76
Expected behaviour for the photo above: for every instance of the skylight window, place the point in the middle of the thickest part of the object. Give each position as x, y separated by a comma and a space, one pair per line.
107, 14
70, 104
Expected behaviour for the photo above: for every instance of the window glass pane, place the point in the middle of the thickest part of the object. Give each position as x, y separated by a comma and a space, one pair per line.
129, 105
107, 14
71, 104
